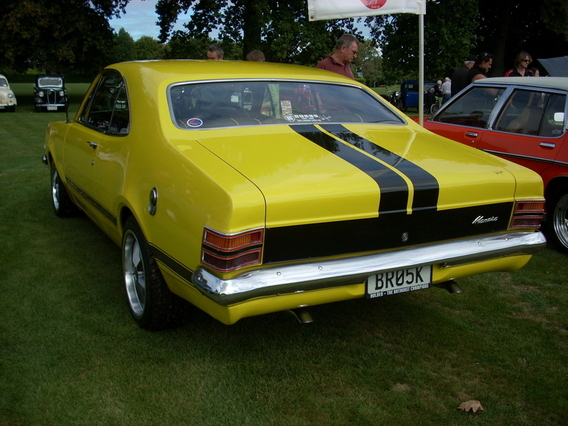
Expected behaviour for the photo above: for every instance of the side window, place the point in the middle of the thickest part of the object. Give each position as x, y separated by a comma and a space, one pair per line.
120, 121
533, 113
473, 108
108, 109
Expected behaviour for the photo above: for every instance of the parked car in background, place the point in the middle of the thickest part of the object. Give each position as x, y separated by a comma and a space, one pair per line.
248, 188
523, 120
408, 97
8, 100
50, 93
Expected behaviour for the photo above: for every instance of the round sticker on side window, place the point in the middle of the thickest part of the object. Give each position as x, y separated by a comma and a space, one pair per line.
194, 122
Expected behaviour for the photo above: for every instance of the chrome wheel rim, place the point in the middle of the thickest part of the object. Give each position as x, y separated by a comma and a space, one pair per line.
55, 188
560, 220
134, 274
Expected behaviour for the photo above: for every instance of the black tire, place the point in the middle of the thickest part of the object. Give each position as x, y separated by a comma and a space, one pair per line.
60, 199
557, 219
152, 305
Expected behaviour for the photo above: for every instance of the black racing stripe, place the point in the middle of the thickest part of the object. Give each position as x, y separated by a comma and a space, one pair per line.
426, 188
394, 189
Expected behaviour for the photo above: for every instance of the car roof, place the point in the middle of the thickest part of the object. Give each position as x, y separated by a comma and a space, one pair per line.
193, 70
542, 82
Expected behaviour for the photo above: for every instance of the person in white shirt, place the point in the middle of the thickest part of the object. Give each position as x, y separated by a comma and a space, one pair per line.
446, 90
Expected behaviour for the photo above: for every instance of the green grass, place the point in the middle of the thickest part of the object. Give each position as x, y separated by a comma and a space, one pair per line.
71, 355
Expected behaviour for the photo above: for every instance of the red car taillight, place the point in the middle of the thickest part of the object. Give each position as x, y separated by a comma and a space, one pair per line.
528, 214
227, 253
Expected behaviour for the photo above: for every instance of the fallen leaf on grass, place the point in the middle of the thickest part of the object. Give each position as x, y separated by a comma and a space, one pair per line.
401, 387
473, 406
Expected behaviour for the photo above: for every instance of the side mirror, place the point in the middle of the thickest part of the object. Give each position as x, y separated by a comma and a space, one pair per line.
559, 117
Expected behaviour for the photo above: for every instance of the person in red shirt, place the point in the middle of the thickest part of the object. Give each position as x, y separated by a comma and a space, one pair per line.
340, 60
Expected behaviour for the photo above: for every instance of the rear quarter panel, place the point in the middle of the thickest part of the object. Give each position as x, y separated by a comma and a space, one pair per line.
196, 189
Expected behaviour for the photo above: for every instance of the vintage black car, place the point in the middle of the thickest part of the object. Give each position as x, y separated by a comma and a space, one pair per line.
50, 93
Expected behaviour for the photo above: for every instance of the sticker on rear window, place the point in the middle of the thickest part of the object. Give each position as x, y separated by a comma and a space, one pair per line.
194, 122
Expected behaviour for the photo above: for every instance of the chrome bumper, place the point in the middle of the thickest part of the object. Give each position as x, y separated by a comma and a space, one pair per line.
299, 277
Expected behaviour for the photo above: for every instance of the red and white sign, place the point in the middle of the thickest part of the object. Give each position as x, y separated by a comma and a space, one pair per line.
339, 9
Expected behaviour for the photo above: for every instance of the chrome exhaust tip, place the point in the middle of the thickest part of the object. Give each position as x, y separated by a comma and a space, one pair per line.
302, 315
450, 286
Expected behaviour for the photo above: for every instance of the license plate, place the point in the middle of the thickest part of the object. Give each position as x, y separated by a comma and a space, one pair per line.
52, 108
401, 281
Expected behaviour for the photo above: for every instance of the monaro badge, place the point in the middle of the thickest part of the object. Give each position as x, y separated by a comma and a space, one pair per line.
479, 220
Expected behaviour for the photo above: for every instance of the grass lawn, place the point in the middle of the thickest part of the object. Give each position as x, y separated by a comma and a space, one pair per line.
71, 355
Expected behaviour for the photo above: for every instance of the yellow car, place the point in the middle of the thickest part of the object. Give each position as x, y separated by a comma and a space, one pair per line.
248, 188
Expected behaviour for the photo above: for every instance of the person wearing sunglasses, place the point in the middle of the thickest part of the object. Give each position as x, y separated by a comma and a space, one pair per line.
521, 66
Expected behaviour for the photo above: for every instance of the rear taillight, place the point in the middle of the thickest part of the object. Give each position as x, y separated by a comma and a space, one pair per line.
528, 214
229, 252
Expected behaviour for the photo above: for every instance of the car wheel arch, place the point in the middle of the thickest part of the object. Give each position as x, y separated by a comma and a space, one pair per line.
556, 195
554, 185
151, 302
125, 214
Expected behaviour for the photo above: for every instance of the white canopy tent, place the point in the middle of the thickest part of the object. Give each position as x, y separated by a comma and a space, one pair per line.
340, 9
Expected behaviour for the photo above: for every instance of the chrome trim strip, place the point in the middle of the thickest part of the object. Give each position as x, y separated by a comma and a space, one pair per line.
354, 270
520, 156
102, 209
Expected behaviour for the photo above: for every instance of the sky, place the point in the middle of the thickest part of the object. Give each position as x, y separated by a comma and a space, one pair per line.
140, 20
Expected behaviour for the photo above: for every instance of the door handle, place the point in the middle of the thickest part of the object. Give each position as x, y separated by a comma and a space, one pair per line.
93, 144
548, 145
471, 134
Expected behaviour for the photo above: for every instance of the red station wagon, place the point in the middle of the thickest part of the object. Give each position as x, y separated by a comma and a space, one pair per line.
522, 120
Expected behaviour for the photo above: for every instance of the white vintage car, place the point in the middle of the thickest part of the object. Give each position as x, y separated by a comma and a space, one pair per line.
7, 98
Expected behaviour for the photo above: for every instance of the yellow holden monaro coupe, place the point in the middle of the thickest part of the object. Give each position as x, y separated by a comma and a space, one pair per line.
247, 188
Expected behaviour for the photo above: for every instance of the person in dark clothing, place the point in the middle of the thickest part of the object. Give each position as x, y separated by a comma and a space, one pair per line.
459, 77
479, 70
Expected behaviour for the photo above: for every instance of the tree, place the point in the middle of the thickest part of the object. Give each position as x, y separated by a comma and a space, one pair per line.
370, 64
280, 29
449, 38
123, 46
182, 46
509, 26
455, 29
147, 47
44, 34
